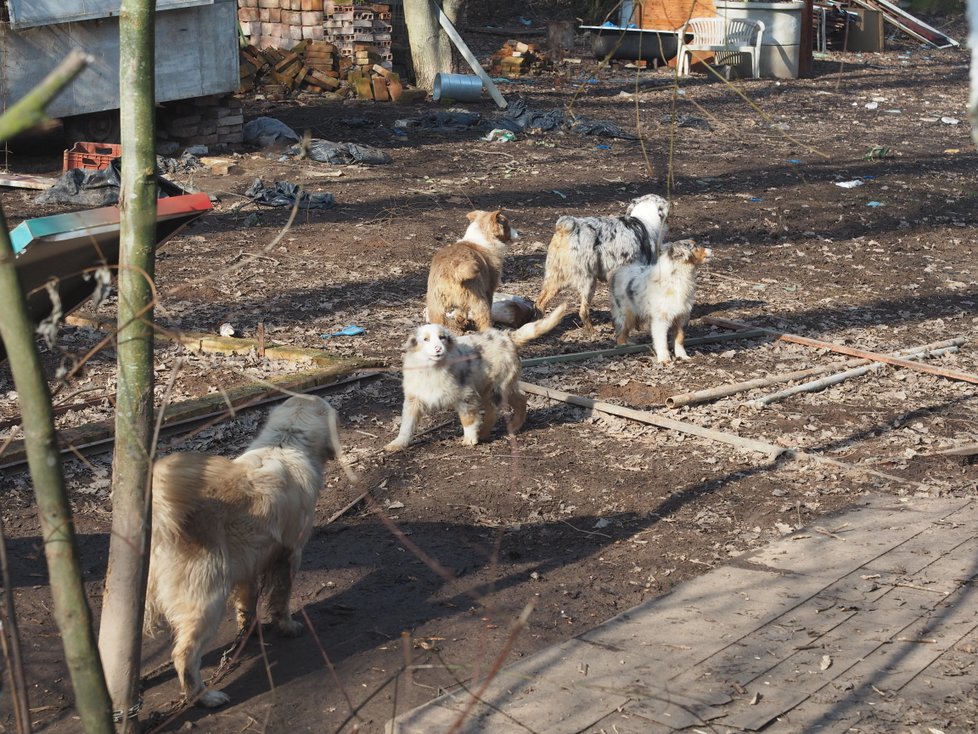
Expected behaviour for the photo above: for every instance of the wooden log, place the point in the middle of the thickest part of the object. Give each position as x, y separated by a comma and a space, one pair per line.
851, 351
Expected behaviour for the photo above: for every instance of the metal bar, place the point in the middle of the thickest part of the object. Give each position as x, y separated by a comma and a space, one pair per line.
640, 348
773, 451
838, 377
491, 87
851, 351
722, 391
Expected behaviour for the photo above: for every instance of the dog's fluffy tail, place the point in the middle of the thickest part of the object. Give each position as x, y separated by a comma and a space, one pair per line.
179, 484
536, 329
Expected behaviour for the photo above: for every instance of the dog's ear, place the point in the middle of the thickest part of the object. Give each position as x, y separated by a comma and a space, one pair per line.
701, 255
500, 225
472, 216
412, 343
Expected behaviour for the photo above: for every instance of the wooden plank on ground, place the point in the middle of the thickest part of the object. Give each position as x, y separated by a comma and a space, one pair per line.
657, 646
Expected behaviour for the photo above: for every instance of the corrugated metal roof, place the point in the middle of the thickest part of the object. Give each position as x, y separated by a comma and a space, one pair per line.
30, 13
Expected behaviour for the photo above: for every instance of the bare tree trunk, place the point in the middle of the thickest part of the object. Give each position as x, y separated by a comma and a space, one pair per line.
973, 43
424, 32
120, 632
453, 10
71, 611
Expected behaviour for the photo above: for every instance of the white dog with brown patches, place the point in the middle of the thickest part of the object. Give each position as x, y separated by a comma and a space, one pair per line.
464, 275
660, 295
474, 374
224, 527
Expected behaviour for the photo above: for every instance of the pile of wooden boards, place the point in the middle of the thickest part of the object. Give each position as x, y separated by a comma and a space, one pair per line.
316, 67
516, 59
308, 66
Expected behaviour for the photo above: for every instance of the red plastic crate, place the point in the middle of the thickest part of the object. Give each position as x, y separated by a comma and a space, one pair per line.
91, 155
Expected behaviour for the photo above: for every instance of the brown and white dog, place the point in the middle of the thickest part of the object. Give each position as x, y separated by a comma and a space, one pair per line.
584, 250
660, 295
225, 527
474, 374
465, 274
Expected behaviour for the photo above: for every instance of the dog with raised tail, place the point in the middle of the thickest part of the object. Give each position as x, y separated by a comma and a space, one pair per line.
230, 527
585, 250
660, 295
464, 275
475, 374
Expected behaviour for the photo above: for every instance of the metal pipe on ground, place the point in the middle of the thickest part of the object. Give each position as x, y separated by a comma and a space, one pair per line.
851, 351
721, 391
816, 385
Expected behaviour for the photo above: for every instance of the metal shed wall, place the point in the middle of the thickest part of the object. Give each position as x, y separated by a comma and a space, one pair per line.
196, 56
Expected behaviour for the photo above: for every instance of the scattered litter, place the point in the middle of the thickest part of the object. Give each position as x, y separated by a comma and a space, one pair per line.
90, 187
559, 193
950, 120
755, 199
267, 132
685, 119
184, 164
602, 523
795, 161
226, 330
284, 193
350, 330
498, 134
603, 147
872, 105
894, 112
825, 663
326, 151
519, 117
850, 184
952, 151
877, 153
874, 203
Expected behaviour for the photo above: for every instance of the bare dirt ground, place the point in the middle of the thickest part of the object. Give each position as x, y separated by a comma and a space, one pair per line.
581, 515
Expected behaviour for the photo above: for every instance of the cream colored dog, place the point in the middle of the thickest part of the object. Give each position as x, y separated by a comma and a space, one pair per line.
465, 274
225, 527
472, 374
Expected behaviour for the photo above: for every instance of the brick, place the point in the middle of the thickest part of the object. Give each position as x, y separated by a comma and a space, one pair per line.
313, 32
268, 3
274, 15
312, 18
264, 14
295, 32
248, 14
312, 5
380, 88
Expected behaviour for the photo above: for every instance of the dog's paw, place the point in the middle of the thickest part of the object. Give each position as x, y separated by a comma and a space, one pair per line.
394, 447
210, 699
289, 627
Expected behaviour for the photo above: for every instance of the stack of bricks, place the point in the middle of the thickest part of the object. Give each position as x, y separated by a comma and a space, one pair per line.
308, 66
361, 33
516, 59
281, 23
210, 121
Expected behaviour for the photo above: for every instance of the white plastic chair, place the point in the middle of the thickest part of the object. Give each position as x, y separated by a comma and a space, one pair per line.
722, 36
